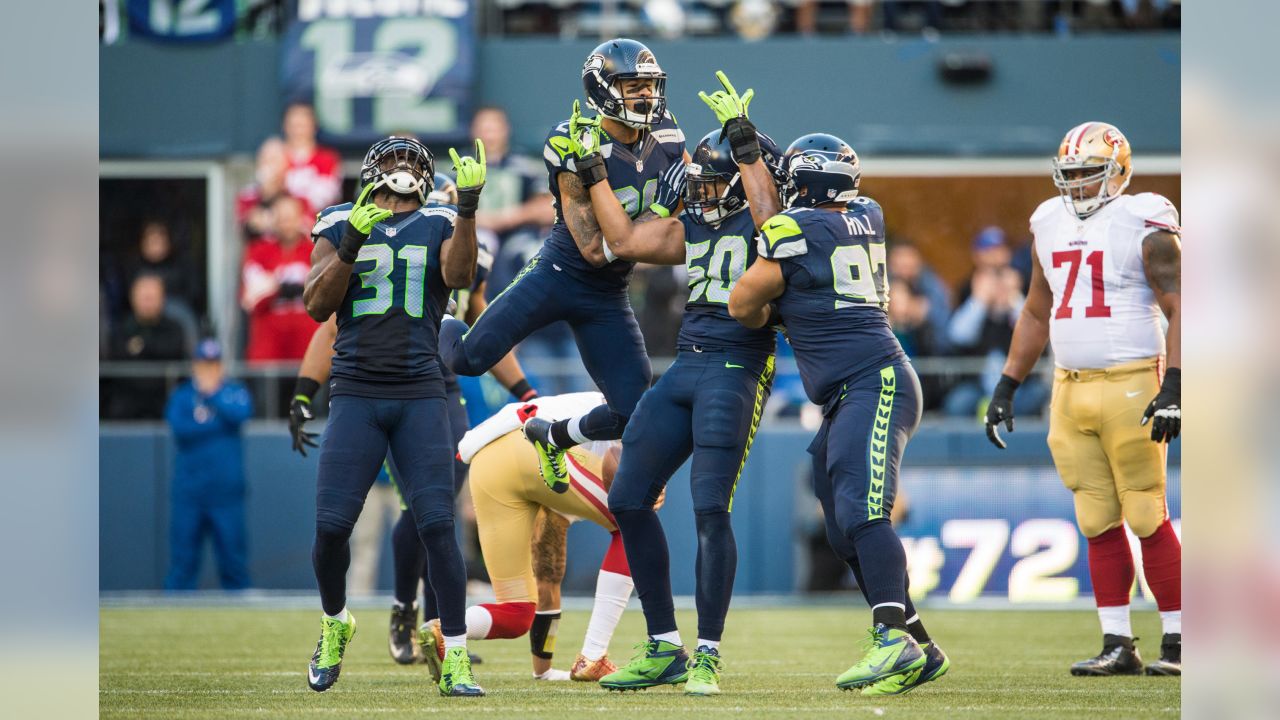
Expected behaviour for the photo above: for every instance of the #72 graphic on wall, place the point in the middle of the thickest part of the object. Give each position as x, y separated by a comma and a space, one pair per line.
370, 75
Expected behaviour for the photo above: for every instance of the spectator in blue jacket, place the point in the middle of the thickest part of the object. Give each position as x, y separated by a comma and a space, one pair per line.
208, 491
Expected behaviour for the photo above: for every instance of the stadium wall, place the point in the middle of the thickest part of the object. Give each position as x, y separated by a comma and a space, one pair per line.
981, 523
884, 96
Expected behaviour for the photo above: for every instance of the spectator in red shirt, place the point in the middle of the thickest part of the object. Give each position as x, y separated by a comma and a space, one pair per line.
275, 269
314, 173
253, 203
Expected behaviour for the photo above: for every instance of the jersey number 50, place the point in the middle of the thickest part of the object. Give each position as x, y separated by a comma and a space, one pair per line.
716, 278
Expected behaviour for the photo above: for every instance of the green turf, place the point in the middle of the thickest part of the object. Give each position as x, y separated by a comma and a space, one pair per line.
226, 663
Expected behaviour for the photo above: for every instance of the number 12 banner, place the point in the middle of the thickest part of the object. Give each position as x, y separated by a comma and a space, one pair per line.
371, 76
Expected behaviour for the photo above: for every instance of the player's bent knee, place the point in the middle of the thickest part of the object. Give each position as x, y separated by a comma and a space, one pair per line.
510, 620
1091, 526
435, 527
1144, 518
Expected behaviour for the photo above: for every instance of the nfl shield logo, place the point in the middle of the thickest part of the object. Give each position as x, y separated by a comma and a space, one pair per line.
639, 165
391, 232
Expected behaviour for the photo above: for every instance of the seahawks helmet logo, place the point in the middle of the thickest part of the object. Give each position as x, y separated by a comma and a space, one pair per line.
594, 64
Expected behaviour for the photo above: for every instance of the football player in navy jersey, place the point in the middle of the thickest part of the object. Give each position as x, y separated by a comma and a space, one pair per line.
409, 556
575, 277
708, 404
385, 266
822, 271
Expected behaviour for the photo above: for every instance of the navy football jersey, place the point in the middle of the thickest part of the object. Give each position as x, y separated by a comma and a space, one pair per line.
389, 320
634, 173
715, 257
836, 301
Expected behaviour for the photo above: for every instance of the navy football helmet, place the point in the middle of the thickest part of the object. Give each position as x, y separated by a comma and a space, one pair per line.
822, 169
443, 191
602, 75
401, 164
713, 189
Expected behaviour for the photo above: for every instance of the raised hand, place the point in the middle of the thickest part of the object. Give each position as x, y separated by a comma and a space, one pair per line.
470, 173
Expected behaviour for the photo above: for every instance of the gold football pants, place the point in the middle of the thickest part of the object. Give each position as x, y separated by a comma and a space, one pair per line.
1102, 451
508, 492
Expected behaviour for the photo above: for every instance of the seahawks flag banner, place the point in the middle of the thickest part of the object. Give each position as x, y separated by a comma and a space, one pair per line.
370, 75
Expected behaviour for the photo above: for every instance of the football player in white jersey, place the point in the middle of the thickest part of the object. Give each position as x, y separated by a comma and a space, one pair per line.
1106, 266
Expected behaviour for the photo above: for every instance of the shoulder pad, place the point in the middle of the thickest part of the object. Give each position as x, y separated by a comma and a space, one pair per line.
331, 216
1153, 210
781, 237
557, 146
1045, 210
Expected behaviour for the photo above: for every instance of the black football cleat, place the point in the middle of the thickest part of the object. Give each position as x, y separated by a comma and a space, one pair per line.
1170, 662
402, 641
1118, 657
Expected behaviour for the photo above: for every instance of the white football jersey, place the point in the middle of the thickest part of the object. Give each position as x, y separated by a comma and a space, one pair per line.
1104, 312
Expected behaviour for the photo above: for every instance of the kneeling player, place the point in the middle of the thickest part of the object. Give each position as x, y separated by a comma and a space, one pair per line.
1109, 263
822, 263
513, 506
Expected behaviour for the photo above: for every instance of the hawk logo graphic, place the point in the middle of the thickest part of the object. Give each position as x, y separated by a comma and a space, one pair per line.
594, 64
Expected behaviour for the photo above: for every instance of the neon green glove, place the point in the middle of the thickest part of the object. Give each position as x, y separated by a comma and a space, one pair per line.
584, 143
359, 224
584, 132
471, 176
731, 111
727, 104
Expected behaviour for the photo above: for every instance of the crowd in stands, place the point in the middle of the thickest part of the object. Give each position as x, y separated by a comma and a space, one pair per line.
151, 296
754, 19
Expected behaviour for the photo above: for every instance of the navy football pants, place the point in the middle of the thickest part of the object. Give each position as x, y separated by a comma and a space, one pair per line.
856, 456
603, 325
410, 557
707, 404
359, 433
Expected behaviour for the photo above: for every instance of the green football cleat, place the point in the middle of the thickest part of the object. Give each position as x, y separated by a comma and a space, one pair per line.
890, 652
658, 662
704, 672
551, 462
326, 663
456, 679
935, 666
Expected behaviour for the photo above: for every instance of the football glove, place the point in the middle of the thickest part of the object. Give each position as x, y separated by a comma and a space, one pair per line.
470, 179
584, 142
670, 189
364, 215
731, 111
1166, 408
300, 412
1000, 410
727, 104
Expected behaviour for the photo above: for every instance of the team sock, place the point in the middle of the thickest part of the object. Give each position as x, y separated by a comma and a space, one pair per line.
448, 576
916, 628
453, 641
330, 557
1115, 620
647, 554
672, 637
717, 562
342, 616
1111, 571
1162, 567
884, 570
613, 591
708, 644
407, 556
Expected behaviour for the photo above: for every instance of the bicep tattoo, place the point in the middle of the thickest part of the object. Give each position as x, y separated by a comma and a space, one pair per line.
1162, 258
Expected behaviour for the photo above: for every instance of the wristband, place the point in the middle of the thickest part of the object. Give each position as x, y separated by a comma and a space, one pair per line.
542, 634
591, 169
609, 255
468, 201
352, 241
520, 390
744, 143
1005, 387
305, 389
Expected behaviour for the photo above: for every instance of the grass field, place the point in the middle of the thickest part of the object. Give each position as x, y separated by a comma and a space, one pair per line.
779, 663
